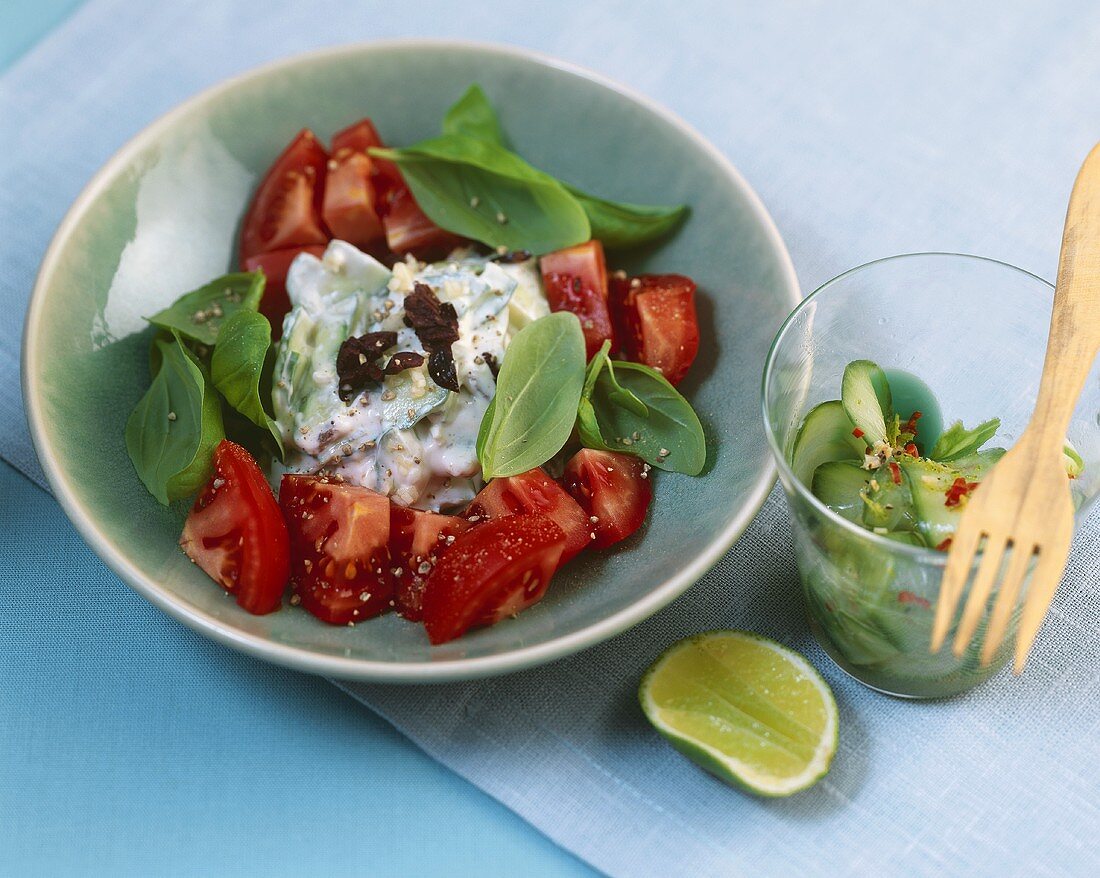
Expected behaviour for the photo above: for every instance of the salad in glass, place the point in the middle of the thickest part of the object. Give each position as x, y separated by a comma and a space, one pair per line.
406, 398
880, 459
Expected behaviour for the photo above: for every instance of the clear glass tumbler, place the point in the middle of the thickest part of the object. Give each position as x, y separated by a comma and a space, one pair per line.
975, 331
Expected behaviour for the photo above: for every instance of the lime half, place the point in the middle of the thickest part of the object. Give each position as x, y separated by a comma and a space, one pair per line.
746, 709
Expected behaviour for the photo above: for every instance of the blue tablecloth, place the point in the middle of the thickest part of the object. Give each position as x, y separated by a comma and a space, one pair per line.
868, 130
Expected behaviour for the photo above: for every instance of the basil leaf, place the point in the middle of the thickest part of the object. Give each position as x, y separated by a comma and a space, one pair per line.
622, 224
199, 314
479, 190
483, 430
956, 441
538, 389
614, 223
240, 366
617, 393
668, 437
473, 116
175, 427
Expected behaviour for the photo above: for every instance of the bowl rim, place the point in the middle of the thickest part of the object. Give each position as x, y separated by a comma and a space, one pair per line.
304, 659
924, 554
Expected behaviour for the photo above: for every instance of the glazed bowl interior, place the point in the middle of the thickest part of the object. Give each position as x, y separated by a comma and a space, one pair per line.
162, 217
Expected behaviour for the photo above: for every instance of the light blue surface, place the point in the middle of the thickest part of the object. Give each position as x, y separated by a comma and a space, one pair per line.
24, 22
868, 130
174, 755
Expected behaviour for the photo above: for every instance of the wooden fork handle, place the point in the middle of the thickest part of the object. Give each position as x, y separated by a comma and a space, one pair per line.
1075, 320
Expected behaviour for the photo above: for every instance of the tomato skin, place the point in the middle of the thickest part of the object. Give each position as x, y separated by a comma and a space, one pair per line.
339, 537
275, 303
286, 209
408, 229
657, 323
576, 281
351, 205
530, 492
417, 538
611, 487
236, 534
492, 571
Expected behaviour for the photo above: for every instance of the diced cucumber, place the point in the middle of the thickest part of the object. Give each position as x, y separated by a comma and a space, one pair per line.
840, 485
888, 504
865, 395
825, 435
1073, 462
909, 537
928, 484
976, 466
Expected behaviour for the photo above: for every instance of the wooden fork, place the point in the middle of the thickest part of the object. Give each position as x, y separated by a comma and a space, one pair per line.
1023, 506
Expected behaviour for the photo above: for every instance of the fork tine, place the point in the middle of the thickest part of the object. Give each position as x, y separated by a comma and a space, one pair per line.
1048, 574
1006, 601
992, 556
963, 546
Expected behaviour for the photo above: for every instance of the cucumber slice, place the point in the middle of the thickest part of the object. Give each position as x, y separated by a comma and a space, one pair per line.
976, 466
1072, 460
840, 485
909, 537
928, 484
865, 395
887, 504
825, 435
909, 394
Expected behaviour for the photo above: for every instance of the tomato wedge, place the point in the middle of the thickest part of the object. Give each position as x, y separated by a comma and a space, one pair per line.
657, 322
534, 491
351, 205
338, 548
613, 489
492, 571
235, 533
286, 209
576, 280
417, 541
275, 303
408, 229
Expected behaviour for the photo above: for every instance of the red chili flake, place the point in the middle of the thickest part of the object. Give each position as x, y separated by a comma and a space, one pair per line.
911, 424
907, 597
910, 448
959, 489
895, 473
944, 546
858, 433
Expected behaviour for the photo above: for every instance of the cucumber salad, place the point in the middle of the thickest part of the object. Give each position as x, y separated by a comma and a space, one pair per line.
423, 390
891, 468
880, 459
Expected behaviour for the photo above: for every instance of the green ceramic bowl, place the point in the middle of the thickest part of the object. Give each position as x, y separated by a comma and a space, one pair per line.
161, 218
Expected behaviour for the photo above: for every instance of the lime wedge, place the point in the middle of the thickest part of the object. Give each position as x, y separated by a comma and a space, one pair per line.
751, 712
